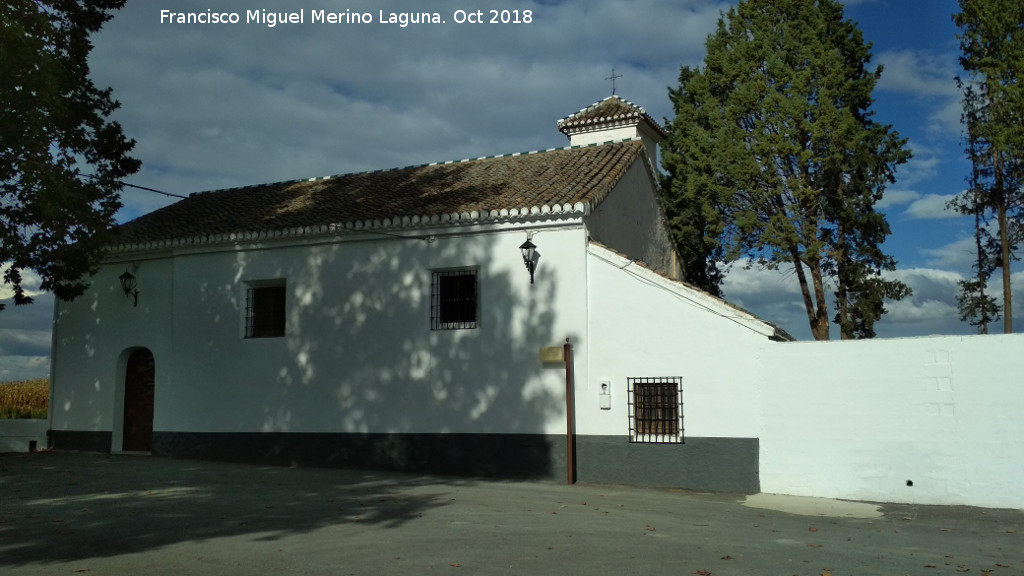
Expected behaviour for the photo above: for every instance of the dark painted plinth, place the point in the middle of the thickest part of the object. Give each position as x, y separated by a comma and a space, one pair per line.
533, 456
707, 464
79, 440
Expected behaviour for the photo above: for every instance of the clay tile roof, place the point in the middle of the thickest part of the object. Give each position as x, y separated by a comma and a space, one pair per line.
608, 112
561, 177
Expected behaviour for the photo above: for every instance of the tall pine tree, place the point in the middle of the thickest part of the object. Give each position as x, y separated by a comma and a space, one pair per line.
690, 195
992, 46
976, 306
774, 156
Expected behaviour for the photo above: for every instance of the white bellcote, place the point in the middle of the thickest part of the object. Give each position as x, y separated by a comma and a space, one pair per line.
613, 119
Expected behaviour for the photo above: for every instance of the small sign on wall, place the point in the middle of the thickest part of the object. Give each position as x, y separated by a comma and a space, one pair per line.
552, 354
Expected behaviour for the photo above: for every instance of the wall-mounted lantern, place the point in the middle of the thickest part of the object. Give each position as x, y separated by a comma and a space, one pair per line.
528, 249
128, 285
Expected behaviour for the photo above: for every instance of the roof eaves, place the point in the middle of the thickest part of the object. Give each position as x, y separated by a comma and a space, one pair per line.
370, 226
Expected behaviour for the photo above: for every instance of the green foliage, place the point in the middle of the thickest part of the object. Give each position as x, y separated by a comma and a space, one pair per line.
688, 191
975, 306
62, 161
992, 47
774, 156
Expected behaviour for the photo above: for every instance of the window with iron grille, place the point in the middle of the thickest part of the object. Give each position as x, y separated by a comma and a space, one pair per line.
453, 300
264, 311
655, 409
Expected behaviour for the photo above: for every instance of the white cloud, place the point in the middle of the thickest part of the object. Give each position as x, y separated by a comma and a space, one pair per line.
14, 368
946, 119
25, 339
932, 207
958, 255
918, 73
931, 309
24, 342
236, 105
897, 198
928, 284
929, 78
924, 165
772, 295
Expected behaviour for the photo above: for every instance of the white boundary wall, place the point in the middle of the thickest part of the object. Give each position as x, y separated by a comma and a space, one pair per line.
839, 419
859, 419
18, 435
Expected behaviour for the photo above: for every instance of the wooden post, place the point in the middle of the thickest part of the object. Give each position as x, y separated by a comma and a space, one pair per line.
570, 449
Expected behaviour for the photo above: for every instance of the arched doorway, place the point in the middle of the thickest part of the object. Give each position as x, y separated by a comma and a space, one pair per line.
139, 377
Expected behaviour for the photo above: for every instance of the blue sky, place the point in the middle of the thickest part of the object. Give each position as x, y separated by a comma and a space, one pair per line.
216, 106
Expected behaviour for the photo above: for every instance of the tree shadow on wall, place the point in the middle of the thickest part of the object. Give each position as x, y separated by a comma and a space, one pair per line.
361, 379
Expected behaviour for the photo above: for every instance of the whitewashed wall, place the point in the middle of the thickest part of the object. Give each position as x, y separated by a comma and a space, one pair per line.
358, 354
22, 435
853, 420
644, 325
858, 420
93, 337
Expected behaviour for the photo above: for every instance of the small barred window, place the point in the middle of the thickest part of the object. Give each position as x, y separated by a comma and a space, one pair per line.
453, 300
264, 311
655, 409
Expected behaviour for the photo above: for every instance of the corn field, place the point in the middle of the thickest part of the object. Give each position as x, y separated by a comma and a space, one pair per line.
24, 398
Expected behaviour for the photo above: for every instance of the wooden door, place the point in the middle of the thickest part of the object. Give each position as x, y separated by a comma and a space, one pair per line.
139, 377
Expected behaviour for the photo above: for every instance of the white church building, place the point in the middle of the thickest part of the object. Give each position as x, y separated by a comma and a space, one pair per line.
416, 319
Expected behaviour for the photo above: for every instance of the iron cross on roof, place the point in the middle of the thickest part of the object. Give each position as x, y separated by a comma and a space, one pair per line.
613, 77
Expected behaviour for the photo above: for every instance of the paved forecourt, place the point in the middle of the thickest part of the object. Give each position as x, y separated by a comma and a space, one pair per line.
67, 513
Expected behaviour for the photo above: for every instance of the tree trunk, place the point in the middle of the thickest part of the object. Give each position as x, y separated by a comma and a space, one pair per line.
1004, 248
843, 319
819, 325
1004, 242
818, 319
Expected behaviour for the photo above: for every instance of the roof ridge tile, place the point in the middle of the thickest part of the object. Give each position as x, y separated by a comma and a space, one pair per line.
409, 167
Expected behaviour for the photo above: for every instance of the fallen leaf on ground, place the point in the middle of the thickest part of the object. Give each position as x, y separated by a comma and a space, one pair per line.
815, 545
702, 573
